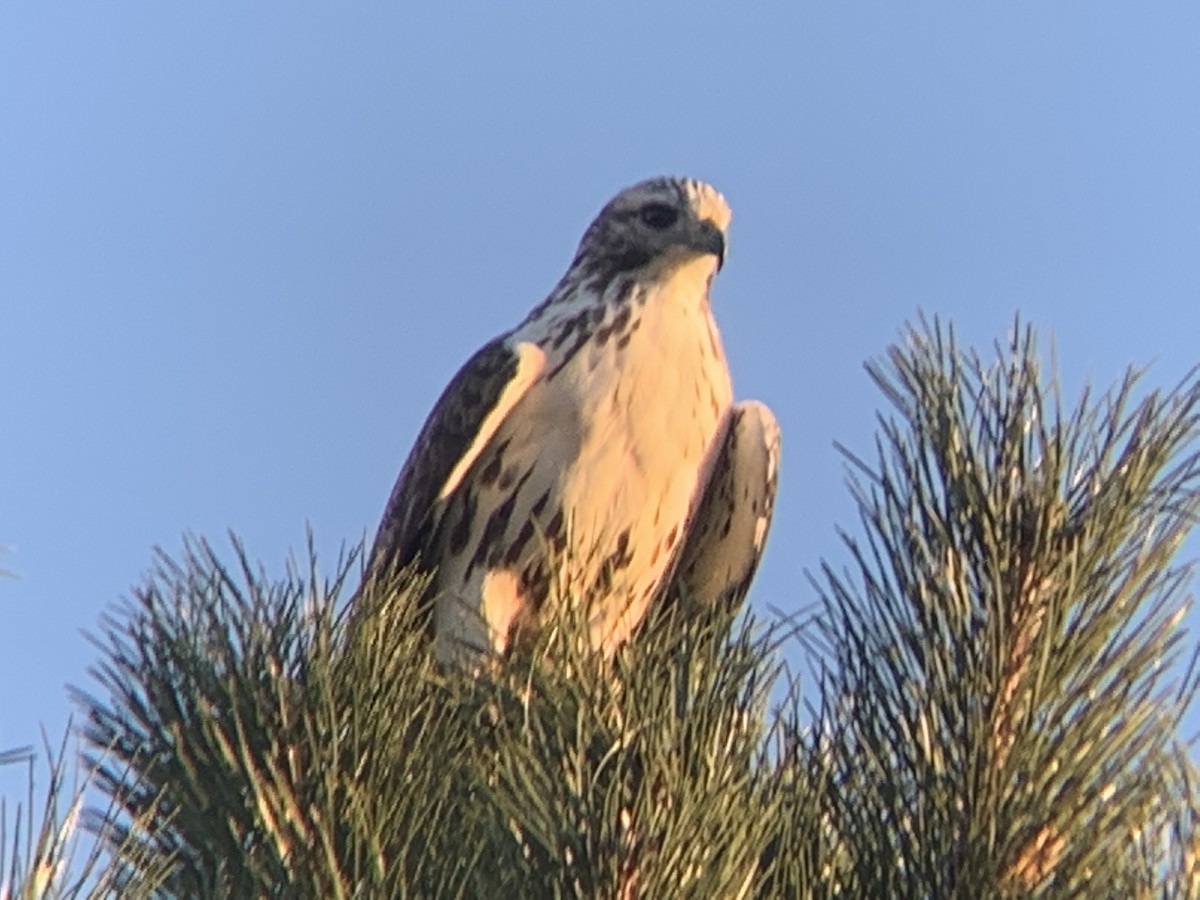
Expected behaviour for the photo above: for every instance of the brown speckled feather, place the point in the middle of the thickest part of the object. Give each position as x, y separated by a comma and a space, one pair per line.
484, 389
727, 534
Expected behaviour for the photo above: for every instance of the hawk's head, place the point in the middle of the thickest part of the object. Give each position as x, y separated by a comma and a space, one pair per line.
654, 222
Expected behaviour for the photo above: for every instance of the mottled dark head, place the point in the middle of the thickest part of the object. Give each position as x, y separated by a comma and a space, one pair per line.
654, 221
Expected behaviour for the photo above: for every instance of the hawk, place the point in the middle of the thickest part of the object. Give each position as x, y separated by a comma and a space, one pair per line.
594, 451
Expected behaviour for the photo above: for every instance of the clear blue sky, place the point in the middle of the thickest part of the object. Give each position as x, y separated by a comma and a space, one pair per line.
243, 247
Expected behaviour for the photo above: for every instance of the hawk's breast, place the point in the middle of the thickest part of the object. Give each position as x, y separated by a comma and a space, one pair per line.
597, 466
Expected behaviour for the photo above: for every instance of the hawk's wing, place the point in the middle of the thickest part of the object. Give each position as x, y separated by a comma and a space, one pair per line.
726, 535
462, 422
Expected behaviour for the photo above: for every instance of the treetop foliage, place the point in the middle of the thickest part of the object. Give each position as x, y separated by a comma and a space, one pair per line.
998, 681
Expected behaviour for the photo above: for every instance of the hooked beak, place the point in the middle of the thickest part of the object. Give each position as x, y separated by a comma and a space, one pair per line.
710, 239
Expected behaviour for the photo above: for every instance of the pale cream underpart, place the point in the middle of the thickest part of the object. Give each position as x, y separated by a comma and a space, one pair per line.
621, 442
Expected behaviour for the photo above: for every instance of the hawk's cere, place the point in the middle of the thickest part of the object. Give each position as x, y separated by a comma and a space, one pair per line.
594, 451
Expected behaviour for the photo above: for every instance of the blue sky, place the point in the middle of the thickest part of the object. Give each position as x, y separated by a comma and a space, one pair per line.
242, 248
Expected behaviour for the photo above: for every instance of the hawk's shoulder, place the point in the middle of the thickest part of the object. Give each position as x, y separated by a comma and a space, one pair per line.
466, 415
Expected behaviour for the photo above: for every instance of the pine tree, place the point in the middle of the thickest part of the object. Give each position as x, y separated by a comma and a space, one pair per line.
999, 678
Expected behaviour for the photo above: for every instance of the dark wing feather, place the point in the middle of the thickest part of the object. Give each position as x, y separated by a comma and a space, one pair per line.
727, 533
461, 423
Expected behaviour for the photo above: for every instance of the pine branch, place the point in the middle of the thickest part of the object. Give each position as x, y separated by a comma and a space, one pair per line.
644, 775
44, 857
277, 752
1002, 656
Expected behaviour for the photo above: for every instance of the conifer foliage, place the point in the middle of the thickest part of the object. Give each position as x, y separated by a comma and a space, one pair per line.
998, 681
1004, 662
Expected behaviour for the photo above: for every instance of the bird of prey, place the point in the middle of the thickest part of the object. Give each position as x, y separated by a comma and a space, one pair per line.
594, 452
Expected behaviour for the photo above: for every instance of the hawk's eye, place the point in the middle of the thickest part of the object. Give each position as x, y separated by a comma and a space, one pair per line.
659, 216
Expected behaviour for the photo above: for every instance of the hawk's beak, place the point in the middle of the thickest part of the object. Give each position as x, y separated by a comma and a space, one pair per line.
708, 238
